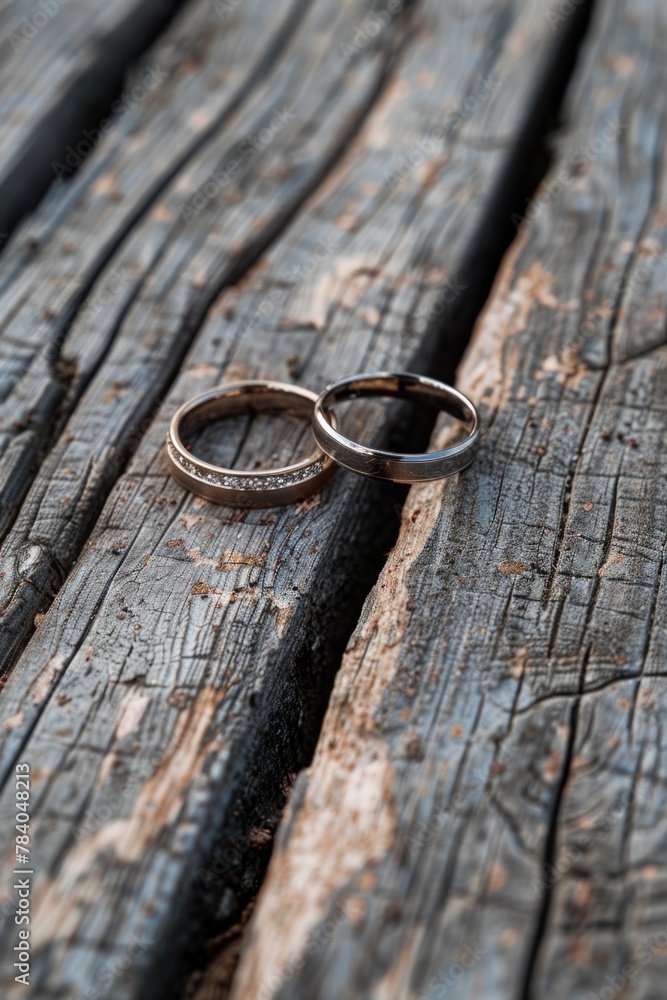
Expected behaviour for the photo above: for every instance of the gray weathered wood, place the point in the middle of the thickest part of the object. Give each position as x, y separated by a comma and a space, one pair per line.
61, 63
485, 813
151, 270
173, 686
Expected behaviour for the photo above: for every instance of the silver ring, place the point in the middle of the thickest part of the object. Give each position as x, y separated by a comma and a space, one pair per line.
387, 464
234, 488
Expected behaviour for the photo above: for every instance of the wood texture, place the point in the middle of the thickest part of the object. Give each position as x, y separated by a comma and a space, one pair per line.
174, 685
120, 292
485, 813
61, 63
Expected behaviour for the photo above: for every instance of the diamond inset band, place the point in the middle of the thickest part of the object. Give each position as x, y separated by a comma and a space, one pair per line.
243, 489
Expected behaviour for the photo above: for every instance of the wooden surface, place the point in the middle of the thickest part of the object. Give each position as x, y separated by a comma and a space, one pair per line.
138, 279
485, 813
167, 663
61, 64
204, 640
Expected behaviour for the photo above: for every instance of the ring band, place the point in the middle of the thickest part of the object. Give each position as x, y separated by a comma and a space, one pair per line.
390, 465
270, 488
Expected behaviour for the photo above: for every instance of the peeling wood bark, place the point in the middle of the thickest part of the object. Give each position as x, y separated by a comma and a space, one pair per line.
485, 812
61, 62
173, 686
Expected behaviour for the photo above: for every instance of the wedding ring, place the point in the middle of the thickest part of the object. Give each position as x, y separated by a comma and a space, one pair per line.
234, 488
390, 465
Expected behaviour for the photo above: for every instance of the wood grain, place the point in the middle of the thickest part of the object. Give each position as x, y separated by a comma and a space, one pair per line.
177, 681
484, 816
119, 293
61, 63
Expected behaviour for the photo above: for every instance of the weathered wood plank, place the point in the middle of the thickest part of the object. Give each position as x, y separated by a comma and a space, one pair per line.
151, 270
61, 63
57, 256
485, 814
173, 686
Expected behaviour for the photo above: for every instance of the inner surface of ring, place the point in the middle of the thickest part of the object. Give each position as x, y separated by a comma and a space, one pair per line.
270, 444
230, 405
393, 386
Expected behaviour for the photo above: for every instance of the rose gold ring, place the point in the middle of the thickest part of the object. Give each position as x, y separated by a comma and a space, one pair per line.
232, 487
